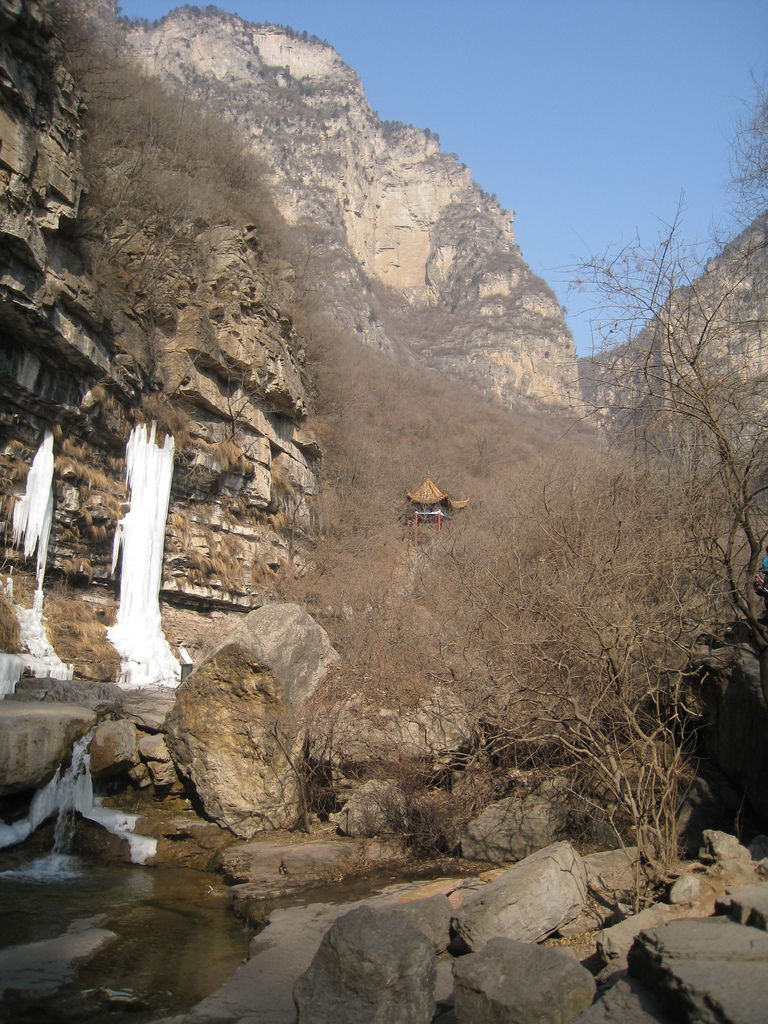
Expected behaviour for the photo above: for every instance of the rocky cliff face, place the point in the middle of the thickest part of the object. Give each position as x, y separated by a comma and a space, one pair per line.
396, 241
221, 369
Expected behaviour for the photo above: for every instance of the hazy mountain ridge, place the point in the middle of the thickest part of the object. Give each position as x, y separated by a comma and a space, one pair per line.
712, 317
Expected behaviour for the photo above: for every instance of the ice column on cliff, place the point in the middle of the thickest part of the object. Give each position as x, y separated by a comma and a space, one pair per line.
137, 635
33, 514
32, 518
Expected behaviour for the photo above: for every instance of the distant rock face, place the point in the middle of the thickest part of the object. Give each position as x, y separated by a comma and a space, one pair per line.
401, 246
718, 324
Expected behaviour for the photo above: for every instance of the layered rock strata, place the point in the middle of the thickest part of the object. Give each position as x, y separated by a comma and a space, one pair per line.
223, 371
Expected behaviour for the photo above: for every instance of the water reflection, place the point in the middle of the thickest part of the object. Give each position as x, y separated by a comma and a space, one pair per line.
177, 939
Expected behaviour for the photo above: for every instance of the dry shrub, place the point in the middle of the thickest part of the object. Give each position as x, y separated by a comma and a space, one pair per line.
170, 417
9, 626
80, 471
77, 630
24, 585
77, 567
218, 565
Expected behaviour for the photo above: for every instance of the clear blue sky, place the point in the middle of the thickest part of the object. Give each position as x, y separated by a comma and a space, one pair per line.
589, 118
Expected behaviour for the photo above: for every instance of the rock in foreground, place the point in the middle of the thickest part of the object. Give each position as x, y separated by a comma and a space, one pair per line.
234, 731
710, 971
371, 966
528, 902
520, 983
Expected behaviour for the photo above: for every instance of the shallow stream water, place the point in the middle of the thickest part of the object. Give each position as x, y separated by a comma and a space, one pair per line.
177, 938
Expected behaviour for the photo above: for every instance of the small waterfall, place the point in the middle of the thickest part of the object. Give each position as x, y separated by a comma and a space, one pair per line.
32, 518
138, 635
69, 793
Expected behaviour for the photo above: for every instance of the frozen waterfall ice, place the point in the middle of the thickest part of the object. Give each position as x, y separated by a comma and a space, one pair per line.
32, 518
137, 635
71, 791
33, 514
11, 667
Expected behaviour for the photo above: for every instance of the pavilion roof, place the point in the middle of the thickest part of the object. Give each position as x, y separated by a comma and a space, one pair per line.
430, 494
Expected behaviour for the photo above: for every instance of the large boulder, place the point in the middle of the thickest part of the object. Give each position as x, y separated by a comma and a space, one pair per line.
511, 829
520, 983
113, 748
234, 731
372, 966
35, 739
527, 902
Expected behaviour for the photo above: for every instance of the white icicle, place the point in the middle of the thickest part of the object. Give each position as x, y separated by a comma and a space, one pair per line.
137, 635
11, 667
32, 518
33, 514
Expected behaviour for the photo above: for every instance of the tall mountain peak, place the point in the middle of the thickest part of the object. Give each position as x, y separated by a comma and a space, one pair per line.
399, 244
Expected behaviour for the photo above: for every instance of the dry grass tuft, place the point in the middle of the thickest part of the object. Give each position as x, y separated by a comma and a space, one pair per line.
78, 629
170, 419
78, 470
72, 567
9, 627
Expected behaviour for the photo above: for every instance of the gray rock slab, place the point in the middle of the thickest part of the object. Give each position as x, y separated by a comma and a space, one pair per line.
520, 983
718, 846
707, 971
35, 738
625, 1001
259, 868
372, 966
612, 871
528, 901
432, 917
67, 691
614, 943
147, 707
747, 905
513, 828
42, 968
261, 990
